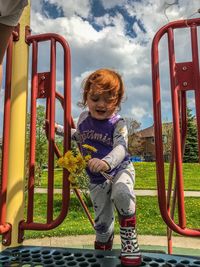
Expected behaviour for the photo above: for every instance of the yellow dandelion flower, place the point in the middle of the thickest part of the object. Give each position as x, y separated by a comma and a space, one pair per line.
73, 181
69, 154
75, 163
91, 148
60, 162
70, 163
80, 162
72, 169
87, 158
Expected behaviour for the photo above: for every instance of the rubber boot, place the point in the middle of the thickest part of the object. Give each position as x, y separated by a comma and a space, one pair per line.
104, 246
130, 252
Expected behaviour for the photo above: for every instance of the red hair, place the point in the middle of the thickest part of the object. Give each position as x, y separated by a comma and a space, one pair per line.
104, 81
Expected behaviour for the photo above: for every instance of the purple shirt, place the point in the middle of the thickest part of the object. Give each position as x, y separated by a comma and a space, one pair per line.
99, 134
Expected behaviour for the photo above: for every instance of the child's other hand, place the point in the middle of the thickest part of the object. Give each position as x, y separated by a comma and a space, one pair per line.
98, 165
45, 125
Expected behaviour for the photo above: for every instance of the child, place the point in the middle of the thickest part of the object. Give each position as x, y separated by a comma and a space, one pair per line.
10, 12
104, 129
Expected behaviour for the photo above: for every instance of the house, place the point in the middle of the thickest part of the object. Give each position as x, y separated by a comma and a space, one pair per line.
148, 143
148, 137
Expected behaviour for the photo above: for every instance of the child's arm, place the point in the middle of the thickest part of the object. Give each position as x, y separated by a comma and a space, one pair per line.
120, 146
60, 131
74, 132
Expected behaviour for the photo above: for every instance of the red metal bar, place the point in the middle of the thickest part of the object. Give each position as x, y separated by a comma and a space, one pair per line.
51, 222
4, 226
58, 154
176, 126
51, 133
171, 209
195, 59
181, 81
31, 180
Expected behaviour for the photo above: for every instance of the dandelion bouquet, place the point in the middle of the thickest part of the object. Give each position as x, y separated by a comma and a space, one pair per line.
75, 163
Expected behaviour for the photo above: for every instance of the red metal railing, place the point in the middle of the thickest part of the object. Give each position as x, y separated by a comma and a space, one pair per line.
5, 228
44, 86
184, 76
37, 92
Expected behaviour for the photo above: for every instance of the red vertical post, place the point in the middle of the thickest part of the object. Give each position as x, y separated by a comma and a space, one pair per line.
31, 180
51, 132
177, 133
195, 59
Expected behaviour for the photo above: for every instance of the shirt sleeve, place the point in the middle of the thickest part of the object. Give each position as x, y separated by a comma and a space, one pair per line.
60, 131
120, 145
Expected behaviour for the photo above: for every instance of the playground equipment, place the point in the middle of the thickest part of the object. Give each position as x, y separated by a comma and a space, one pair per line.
184, 76
12, 223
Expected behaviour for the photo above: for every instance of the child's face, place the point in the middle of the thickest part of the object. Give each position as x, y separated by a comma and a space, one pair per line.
100, 106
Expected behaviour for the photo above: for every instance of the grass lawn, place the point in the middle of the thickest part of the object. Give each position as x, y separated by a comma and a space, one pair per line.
149, 220
146, 176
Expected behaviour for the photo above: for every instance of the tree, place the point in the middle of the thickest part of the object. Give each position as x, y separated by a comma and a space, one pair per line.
41, 149
135, 142
167, 139
191, 144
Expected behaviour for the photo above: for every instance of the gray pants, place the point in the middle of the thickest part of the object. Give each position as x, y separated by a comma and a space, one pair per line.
106, 196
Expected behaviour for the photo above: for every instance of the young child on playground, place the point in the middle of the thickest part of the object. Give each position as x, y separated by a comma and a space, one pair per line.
103, 128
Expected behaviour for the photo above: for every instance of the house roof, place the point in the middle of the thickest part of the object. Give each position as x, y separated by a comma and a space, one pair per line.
147, 132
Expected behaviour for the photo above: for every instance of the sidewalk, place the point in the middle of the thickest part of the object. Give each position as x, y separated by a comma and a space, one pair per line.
137, 192
181, 245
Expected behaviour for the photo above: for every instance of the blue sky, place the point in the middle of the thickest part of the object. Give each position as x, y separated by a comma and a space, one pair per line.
115, 34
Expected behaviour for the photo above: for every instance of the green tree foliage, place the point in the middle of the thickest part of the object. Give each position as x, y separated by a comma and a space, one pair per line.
135, 142
41, 150
191, 145
41, 141
167, 139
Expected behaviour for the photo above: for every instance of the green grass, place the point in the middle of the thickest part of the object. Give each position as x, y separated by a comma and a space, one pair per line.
146, 176
149, 221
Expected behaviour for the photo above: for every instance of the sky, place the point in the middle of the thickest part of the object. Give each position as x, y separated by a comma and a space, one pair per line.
114, 34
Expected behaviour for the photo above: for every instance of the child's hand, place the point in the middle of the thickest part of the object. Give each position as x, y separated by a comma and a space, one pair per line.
45, 125
98, 165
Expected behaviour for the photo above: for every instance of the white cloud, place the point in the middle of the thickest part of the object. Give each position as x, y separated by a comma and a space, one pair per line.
112, 3
138, 113
71, 7
36, 6
109, 46
74, 28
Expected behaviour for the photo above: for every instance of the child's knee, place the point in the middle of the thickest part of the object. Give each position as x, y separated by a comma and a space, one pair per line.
101, 228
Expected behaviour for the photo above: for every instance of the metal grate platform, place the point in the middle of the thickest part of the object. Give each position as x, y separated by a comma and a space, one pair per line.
30, 256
